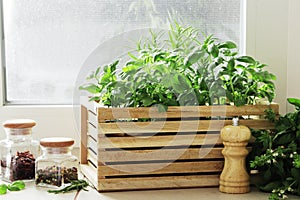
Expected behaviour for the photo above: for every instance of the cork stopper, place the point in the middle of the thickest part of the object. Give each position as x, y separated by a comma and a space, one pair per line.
19, 123
56, 142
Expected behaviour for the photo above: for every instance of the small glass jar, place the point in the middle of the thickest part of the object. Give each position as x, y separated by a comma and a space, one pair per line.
56, 167
18, 151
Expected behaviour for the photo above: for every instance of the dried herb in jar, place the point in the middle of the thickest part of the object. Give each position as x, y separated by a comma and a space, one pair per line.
56, 176
22, 166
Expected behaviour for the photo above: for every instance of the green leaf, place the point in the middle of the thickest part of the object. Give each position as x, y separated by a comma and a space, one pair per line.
147, 101
285, 139
90, 87
132, 56
97, 71
214, 50
294, 101
193, 57
158, 56
162, 108
295, 173
274, 196
231, 65
228, 45
280, 168
270, 186
3, 189
298, 133
95, 98
113, 66
185, 85
19, 184
246, 59
13, 188
267, 174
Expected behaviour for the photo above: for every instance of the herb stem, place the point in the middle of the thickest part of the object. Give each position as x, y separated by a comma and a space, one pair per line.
231, 84
75, 185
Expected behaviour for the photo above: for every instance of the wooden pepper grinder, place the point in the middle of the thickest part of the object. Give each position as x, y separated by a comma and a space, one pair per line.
234, 177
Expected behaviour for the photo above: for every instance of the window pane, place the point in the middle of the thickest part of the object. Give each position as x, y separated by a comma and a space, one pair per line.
47, 41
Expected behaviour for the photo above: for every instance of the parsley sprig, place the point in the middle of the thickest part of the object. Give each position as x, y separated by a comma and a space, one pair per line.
15, 186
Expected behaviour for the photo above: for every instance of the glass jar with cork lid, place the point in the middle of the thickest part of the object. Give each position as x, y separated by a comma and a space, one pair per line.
56, 167
18, 151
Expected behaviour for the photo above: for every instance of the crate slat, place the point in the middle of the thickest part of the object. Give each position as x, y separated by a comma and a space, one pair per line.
183, 111
177, 126
92, 144
92, 131
90, 172
162, 168
161, 182
92, 117
166, 154
93, 158
159, 141
83, 134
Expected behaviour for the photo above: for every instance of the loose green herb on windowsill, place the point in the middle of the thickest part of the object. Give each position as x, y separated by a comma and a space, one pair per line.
15, 186
75, 185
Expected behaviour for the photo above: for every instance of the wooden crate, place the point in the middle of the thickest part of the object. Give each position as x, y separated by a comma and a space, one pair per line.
180, 148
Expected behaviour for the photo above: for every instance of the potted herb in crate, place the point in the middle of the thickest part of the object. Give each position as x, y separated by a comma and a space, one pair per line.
159, 120
168, 72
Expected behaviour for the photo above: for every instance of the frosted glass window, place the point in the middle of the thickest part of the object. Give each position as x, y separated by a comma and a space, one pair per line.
47, 41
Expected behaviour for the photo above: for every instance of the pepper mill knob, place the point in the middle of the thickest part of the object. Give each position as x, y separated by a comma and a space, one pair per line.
234, 177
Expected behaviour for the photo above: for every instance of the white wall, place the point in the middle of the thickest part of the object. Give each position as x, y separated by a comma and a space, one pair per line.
293, 54
273, 31
267, 36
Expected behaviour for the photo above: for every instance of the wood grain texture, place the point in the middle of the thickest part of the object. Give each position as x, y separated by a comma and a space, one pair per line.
165, 182
161, 168
183, 111
159, 154
234, 178
180, 148
19, 123
177, 126
83, 135
159, 141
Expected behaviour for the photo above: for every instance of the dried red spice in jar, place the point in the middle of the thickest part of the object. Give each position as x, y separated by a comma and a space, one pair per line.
18, 151
22, 166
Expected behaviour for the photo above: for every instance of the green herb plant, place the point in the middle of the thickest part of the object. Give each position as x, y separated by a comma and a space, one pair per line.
14, 186
181, 70
276, 154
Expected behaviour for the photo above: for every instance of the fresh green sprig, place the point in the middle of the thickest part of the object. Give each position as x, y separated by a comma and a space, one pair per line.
15, 186
75, 185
